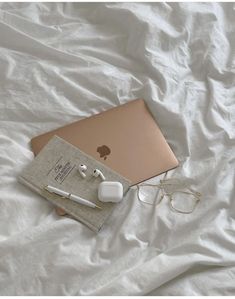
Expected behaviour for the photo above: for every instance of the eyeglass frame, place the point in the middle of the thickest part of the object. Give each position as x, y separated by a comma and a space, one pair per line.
196, 195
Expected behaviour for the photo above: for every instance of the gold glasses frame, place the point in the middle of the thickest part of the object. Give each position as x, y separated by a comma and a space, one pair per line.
162, 186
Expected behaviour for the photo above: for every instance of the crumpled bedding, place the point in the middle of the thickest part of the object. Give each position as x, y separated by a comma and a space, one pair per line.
61, 62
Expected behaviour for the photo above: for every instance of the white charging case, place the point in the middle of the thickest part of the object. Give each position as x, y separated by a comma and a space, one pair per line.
110, 191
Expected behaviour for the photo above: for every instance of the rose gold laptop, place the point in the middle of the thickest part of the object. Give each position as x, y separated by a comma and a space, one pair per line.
125, 138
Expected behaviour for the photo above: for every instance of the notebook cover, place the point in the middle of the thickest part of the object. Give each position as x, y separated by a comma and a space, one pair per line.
57, 165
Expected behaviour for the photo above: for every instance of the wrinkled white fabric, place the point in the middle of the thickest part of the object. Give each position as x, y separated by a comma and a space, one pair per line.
63, 62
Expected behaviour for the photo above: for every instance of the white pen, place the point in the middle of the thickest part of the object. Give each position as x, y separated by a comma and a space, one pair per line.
73, 197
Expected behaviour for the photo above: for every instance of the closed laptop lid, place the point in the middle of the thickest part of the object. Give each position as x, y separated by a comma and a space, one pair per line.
125, 138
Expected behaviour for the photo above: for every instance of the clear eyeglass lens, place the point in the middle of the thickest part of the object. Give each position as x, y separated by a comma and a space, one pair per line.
183, 202
149, 194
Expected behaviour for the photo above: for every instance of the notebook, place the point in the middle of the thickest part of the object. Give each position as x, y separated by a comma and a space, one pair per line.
57, 165
126, 138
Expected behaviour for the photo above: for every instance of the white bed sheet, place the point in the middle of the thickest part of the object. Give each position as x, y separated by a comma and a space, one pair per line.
63, 62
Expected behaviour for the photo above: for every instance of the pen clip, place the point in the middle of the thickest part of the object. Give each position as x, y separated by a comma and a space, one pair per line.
52, 192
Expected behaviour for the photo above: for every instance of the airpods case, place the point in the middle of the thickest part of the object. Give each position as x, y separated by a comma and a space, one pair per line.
110, 191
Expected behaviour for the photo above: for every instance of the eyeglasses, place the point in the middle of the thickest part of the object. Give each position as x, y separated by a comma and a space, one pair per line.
183, 201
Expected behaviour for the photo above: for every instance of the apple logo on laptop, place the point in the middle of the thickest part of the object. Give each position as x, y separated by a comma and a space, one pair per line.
104, 151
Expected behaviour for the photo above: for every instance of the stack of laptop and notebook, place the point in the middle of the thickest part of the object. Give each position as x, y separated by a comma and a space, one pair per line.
125, 139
